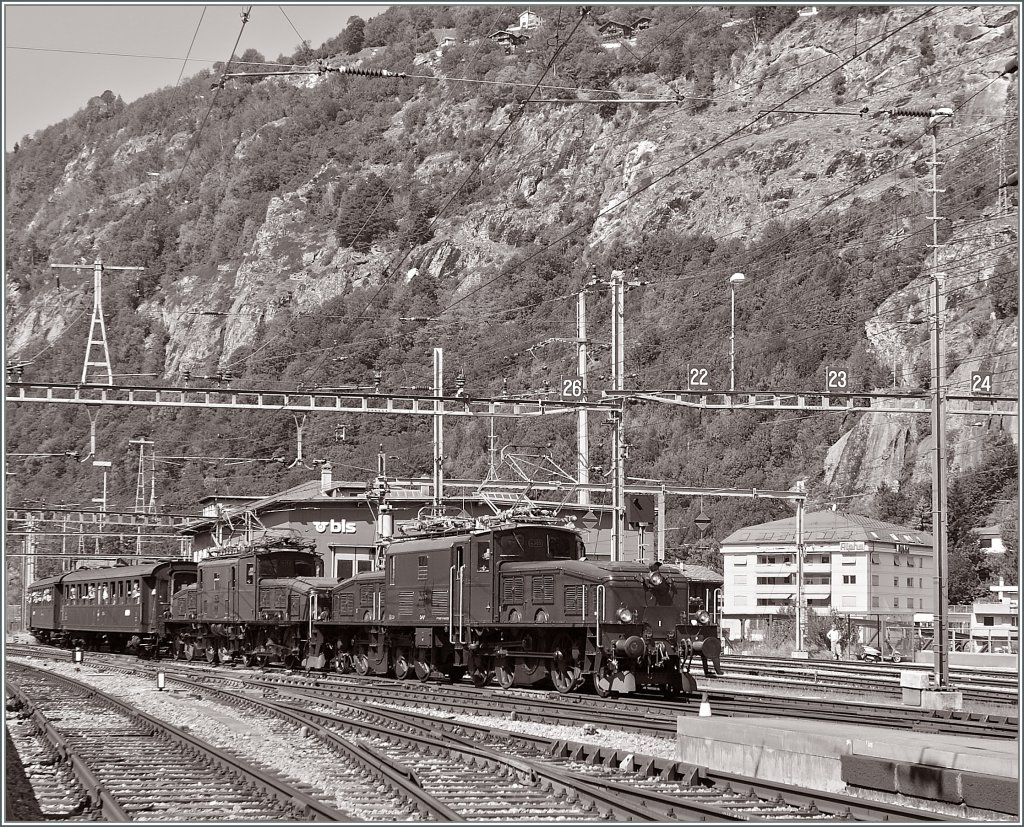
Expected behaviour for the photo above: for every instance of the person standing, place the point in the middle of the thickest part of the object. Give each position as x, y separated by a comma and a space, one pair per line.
834, 637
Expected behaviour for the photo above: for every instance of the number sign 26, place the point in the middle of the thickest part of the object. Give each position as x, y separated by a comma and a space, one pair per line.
698, 377
836, 379
572, 388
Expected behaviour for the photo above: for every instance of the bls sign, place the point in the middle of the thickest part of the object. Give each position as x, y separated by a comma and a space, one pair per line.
335, 527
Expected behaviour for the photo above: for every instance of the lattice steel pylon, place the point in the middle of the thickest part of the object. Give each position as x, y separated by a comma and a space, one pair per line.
97, 328
141, 504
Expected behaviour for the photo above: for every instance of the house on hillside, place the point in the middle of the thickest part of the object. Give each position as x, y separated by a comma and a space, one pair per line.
508, 39
990, 539
444, 38
641, 24
612, 30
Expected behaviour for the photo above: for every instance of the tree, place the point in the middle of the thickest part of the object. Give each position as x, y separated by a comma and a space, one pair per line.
353, 36
969, 572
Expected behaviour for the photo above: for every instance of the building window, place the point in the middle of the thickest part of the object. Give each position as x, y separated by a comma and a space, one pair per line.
773, 559
783, 580
818, 580
988, 621
920, 603
874, 602
896, 582
342, 569
875, 558
896, 603
920, 583
740, 561
896, 560
874, 579
364, 565
985, 542
910, 582
910, 563
849, 561
849, 579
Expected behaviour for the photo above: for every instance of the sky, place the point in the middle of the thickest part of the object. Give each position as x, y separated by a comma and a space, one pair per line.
58, 55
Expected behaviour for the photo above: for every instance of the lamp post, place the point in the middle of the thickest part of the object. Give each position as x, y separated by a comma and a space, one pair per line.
734, 279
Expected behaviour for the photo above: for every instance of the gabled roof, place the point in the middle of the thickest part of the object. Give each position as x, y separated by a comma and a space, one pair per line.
829, 526
444, 34
701, 574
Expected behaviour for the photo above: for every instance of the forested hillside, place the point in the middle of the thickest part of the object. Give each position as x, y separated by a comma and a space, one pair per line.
331, 229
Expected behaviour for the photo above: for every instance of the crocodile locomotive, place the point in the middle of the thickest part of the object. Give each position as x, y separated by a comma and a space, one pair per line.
510, 599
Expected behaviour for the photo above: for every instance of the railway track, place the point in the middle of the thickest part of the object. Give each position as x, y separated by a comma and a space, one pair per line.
481, 773
979, 687
133, 766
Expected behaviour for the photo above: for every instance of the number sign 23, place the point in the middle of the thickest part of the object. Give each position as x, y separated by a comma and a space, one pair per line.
836, 379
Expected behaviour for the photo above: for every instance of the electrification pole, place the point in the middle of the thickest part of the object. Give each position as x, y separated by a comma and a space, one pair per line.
618, 435
582, 432
938, 419
438, 430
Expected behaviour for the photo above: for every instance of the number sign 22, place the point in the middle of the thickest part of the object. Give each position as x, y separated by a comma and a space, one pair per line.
698, 377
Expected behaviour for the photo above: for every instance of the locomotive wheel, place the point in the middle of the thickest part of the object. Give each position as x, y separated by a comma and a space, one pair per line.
361, 664
480, 677
291, 662
565, 671
603, 682
422, 664
504, 673
188, 651
403, 670
341, 663
211, 654
179, 650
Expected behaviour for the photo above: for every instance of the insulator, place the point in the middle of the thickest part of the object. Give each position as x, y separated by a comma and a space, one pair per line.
186, 374
373, 73
911, 113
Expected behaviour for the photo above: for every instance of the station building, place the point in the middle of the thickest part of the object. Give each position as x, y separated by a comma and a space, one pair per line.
864, 568
341, 519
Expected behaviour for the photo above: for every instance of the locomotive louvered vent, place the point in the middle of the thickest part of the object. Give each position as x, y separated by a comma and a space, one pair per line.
574, 600
366, 595
406, 600
422, 568
543, 588
439, 602
512, 591
347, 604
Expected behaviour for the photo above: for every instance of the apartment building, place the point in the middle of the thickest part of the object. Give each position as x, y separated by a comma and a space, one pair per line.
862, 567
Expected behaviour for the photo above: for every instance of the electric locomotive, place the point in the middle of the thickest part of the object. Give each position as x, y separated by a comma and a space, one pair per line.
516, 600
253, 605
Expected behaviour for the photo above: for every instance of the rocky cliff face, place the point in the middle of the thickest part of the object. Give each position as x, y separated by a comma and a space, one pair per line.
726, 171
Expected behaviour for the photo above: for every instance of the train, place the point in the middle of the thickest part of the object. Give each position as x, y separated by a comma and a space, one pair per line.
511, 600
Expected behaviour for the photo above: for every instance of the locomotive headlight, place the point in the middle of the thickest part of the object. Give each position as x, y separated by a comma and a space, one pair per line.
657, 579
625, 615
703, 617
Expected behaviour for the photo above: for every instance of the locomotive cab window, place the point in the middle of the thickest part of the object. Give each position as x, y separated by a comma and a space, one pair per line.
250, 573
537, 544
483, 557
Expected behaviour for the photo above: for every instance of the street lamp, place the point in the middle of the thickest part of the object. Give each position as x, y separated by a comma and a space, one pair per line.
734, 279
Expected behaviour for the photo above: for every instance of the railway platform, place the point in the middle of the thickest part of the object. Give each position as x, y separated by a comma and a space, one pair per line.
953, 773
